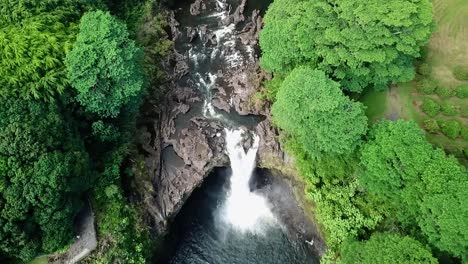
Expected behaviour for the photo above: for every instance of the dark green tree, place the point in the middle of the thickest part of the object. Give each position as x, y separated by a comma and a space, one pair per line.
358, 43
313, 111
104, 65
386, 248
43, 171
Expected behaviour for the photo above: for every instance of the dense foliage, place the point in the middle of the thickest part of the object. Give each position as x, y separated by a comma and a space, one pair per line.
31, 63
59, 146
390, 197
420, 184
104, 65
386, 248
43, 170
358, 43
313, 110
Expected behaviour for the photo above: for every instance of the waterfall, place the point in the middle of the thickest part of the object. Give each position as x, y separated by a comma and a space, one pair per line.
244, 210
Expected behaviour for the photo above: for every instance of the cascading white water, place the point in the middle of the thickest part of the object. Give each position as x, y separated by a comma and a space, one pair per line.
244, 210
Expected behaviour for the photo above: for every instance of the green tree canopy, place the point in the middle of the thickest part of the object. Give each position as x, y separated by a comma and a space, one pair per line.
443, 212
393, 158
104, 65
386, 248
16, 11
313, 110
43, 170
31, 61
358, 43
421, 184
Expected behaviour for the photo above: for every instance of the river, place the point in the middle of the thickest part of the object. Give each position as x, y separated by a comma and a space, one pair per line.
225, 220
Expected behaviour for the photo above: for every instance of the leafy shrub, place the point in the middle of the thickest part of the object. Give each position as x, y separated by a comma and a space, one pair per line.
462, 91
425, 69
464, 110
464, 132
430, 107
449, 110
272, 86
461, 73
431, 126
450, 128
444, 92
427, 86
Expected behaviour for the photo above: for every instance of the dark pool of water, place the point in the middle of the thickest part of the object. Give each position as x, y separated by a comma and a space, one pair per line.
199, 236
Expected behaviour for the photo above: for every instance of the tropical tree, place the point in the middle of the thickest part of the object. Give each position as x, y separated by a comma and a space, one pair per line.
393, 159
443, 211
65, 11
421, 184
31, 61
43, 171
313, 110
386, 248
358, 43
104, 65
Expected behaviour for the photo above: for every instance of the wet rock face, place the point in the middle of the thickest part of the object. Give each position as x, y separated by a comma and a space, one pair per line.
278, 190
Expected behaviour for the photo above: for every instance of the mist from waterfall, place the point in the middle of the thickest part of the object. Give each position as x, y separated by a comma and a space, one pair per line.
244, 210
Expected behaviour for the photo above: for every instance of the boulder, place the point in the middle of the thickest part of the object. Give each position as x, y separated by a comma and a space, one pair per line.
196, 7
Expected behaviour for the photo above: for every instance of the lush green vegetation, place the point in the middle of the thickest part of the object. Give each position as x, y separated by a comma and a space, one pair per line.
436, 71
359, 44
386, 248
379, 195
103, 41
312, 109
71, 82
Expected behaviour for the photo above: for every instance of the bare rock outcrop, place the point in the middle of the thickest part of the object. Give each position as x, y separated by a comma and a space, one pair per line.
236, 17
197, 7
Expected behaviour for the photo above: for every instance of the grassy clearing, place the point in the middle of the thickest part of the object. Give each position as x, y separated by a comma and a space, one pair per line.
376, 103
448, 48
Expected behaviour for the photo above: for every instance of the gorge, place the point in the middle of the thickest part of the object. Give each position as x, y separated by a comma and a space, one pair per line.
212, 122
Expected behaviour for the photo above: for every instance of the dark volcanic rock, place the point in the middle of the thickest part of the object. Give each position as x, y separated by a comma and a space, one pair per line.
178, 160
173, 24
192, 33
221, 104
196, 7
250, 33
237, 16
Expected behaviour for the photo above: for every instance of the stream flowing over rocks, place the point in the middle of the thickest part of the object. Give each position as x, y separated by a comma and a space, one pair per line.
215, 75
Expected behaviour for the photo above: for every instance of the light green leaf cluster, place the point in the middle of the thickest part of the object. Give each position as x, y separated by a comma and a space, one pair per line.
312, 109
31, 61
